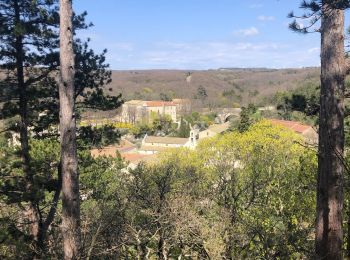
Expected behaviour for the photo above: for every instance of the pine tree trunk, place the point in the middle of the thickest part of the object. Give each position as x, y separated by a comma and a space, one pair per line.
31, 213
70, 178
329, 232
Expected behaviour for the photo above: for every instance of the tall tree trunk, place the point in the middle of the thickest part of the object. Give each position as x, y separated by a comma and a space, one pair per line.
348, 232
329, 231
31, 212
70, 177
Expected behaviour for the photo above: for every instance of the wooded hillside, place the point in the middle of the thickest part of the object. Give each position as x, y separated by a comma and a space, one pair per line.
224, 87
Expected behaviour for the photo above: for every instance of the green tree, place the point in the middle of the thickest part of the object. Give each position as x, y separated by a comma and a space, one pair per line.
103, 207
162, 123
164, 97
305, 99
264, 180
29, 94
27, 40
202, 94
247, 117
329, 231
93, 137
184, 129
140, 130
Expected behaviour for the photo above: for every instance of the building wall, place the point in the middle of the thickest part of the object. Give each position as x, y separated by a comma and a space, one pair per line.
206, 133
183, 106
133, 112
163, 145
311, 136
164, 110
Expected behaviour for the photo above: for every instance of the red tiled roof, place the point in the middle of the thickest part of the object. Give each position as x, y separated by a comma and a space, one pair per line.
159, 103
124, 146
292, 125
131, 157
106, 151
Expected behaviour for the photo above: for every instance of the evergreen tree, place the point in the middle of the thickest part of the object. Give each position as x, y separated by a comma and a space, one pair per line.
29, 94
202, 93
184, 129
329, 231
246, 118
27, 41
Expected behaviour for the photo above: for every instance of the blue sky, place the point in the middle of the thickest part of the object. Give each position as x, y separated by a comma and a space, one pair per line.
198, 34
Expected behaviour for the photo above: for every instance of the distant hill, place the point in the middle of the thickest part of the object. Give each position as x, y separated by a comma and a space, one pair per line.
225, 87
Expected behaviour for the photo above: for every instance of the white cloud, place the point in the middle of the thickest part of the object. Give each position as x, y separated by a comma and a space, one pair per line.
213, 54
314, 50
205, 55
255, 6
248, 32
266, 18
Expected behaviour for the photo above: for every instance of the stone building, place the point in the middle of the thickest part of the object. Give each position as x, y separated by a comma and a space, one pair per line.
135, 111
183, 106
155, 144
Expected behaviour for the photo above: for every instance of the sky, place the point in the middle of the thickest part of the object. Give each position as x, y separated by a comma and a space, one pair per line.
198, 34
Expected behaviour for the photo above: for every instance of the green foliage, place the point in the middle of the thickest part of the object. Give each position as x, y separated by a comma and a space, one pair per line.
105, 135
40, 57
14, 194
201, 93
248, 116
162, 124
29, 41
247, 195
201, 120
184, 129
269, 193
165, 97
140, 130
244, 195
230, 98
100, 176
304, 99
